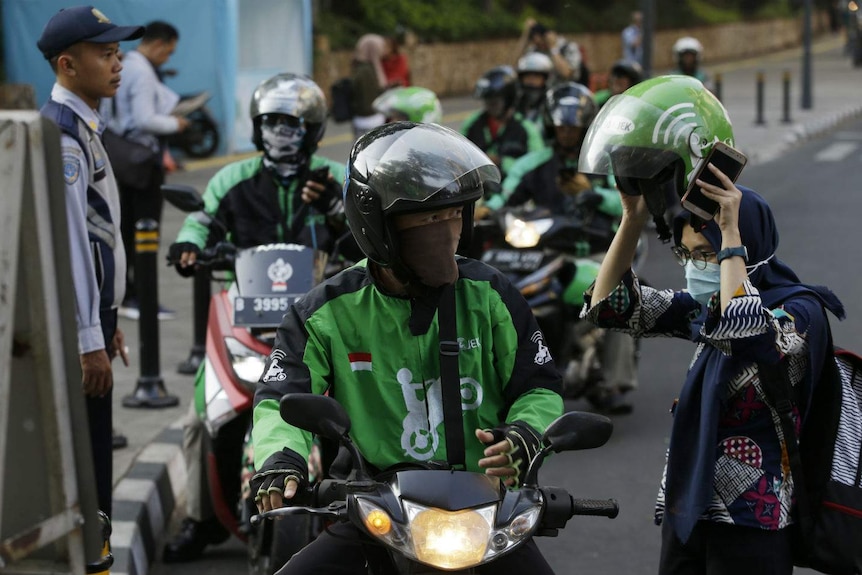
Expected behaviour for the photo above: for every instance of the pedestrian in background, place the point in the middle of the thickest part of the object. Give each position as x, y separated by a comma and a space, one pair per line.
142, 114
82, 46
632, 37
569, 64
369, 81
396, 68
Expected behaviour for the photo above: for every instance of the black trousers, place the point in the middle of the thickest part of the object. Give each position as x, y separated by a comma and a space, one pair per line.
136, 205
723, 549
99, 418
347, 552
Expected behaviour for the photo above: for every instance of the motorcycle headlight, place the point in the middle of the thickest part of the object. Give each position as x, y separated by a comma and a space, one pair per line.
523, 234
247, 364
450, 539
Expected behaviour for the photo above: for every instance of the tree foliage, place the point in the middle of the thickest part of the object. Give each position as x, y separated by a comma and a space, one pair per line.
460, 20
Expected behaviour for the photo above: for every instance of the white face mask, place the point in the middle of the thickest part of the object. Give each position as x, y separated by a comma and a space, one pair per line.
701, 284
282, 145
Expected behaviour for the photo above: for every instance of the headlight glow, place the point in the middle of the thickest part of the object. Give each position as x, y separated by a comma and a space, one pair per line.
246, 363
521, 234
450, 539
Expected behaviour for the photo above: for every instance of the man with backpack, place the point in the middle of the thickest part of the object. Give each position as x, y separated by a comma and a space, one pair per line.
569, 63
82, 47
728, 496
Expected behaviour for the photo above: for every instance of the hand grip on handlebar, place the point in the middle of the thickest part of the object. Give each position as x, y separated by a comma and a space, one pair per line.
599, 507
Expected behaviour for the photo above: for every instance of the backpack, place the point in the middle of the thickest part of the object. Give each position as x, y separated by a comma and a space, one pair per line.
826, 463
342, 100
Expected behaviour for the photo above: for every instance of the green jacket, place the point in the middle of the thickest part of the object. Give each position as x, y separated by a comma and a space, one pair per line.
349, 339
256, 209
515, 138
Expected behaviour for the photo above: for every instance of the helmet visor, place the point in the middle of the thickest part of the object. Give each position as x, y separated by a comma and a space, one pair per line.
636, 139
424, 167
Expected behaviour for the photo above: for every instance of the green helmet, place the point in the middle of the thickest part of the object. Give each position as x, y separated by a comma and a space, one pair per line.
652, 136
413, 104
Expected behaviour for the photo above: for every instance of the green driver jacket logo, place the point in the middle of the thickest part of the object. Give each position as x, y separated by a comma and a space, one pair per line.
424, 402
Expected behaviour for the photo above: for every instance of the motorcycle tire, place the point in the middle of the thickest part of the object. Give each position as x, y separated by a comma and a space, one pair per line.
201, 138
273, 543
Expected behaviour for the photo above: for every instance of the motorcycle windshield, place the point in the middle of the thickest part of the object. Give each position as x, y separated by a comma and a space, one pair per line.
633, 138
423, 167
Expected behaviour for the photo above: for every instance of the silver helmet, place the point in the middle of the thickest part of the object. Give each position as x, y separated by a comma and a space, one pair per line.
291, 95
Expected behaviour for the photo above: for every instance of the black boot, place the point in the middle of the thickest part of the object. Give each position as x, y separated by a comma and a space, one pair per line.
193, 537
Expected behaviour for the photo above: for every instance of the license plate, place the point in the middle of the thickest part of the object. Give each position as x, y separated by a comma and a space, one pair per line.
261, 311
514, 260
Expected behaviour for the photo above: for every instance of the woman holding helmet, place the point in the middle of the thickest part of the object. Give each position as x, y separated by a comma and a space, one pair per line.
727, 496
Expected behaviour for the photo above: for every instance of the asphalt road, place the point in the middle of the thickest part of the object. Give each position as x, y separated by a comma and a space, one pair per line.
814, 194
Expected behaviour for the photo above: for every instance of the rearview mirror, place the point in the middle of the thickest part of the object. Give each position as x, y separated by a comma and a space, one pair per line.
183, 197
577, 430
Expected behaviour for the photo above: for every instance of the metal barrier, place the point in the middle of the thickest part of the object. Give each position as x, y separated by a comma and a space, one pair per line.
48, 505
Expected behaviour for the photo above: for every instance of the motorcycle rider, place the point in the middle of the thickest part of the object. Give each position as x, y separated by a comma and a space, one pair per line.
534, 69
265, 199
551, 179
623, 75
498, 129
412, 104
687, 52
369, 337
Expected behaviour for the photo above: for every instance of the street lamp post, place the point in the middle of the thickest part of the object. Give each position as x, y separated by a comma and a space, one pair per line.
647, 35
807, 103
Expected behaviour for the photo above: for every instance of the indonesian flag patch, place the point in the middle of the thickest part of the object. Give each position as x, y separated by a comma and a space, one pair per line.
360, 361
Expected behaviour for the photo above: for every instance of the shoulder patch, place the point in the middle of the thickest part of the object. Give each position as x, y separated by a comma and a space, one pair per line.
71, 168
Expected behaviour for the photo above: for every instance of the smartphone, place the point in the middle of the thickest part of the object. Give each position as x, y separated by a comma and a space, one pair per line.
730, 161
320, 175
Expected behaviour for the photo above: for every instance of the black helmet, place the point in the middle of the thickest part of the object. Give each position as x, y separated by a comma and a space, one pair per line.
291, 95
628, 69
569, 104
500, 81
405, 167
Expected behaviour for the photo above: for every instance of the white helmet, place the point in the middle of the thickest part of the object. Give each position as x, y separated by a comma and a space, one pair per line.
687, 44
535, 63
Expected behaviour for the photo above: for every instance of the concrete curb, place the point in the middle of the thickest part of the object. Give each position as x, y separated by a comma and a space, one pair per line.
144, 501
803, 132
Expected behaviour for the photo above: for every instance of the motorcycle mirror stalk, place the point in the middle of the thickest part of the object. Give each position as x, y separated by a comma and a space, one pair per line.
323, 416
572, 431
187, 199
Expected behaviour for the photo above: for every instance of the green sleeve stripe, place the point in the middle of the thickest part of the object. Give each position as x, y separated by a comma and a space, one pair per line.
535, 141
217, 188
465, 127
538, 407
270, 434
523, 166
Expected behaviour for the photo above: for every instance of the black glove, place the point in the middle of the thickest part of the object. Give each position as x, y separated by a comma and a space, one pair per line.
277, 470
524, 445
329, 201
175, 252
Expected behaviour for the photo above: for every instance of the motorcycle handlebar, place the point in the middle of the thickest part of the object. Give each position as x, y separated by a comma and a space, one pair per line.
597, 507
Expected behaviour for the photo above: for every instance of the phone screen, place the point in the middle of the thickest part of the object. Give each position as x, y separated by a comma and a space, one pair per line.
730, 165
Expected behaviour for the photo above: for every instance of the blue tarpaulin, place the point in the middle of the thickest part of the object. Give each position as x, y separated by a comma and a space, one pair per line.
226, 47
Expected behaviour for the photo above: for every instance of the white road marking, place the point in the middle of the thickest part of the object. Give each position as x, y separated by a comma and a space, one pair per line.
836, 151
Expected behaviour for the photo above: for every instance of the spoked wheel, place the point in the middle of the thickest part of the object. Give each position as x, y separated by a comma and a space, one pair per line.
201, 138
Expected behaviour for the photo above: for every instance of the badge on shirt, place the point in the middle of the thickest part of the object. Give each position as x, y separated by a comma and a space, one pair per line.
71, 168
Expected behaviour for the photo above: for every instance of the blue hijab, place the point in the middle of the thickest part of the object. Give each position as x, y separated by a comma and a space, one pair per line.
691, 459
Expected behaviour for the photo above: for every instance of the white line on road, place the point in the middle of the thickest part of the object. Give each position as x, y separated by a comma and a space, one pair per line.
836, 151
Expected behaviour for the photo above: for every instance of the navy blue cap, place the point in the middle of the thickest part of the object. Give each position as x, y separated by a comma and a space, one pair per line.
82, 24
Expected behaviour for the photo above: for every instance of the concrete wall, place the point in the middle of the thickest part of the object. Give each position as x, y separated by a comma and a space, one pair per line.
452, 69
